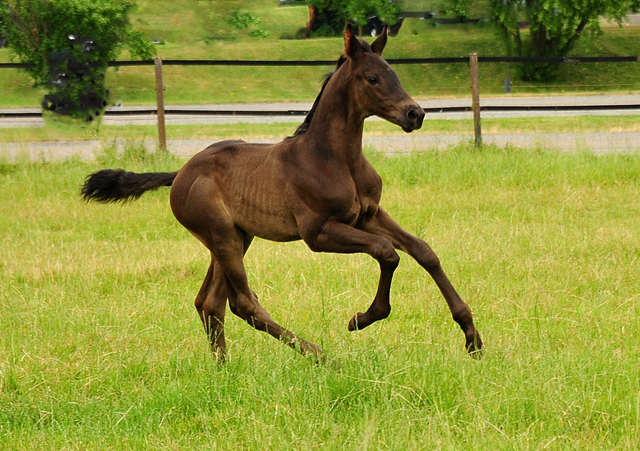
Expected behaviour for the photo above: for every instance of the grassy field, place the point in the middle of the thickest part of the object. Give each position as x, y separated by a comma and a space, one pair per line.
100, 347
192, 29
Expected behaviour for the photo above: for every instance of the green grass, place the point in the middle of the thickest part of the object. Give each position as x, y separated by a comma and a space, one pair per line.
100, 347
198, 30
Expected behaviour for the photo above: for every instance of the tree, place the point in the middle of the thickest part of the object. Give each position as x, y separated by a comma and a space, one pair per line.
459, 8
69, 43
331, 15
554, 27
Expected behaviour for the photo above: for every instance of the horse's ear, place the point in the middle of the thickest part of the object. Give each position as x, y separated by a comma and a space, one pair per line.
352, 47
381, 41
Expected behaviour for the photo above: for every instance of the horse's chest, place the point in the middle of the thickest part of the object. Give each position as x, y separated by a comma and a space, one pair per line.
365, 202
360, 210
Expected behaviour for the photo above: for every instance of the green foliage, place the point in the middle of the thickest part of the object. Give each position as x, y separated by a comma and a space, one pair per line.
333, 14
460, 8
358, 10
242, 21
259, 33
554, 28
70, 42
184, 30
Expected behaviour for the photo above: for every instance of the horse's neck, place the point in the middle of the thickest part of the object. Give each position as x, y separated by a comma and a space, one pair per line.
337, 126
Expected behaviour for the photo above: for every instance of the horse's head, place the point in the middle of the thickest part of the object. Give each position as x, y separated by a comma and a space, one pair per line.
375, 86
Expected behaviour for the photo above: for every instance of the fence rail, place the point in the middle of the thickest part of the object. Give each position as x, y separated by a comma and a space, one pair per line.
443, 60
473, 60
168, 110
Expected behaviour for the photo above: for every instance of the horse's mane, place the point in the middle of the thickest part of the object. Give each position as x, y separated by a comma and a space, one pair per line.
307, 120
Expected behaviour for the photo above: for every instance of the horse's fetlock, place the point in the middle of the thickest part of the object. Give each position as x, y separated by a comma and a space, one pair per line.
381, 311
462, 316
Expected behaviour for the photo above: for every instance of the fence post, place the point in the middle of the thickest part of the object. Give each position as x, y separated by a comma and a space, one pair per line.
475, 99
162, 134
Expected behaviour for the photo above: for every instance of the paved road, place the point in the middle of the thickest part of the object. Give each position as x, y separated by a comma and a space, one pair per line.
523, 102
577, 101
596, 142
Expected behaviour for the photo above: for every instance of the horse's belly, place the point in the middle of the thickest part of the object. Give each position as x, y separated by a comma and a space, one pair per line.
270, 226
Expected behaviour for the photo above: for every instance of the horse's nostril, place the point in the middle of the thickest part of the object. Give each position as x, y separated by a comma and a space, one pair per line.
413, 118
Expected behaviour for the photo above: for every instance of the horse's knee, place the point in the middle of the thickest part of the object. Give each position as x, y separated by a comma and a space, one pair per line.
199, 303
428, 259
386, 255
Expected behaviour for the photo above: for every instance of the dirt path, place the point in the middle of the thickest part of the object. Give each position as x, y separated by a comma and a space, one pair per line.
592, 142
432, 105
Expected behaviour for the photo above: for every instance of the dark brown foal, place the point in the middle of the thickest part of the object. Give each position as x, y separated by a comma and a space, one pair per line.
316, 186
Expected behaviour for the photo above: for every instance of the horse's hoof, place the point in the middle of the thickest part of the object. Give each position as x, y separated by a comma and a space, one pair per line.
329, 363
474, 347
219, 354
353, 323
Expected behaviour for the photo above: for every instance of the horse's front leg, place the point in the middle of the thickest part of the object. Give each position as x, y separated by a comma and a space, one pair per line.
341, 238
383, 225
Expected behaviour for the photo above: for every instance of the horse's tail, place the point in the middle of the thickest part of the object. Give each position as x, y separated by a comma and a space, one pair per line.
114, 185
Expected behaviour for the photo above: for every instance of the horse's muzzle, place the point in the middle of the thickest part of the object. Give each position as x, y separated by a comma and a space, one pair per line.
412, 118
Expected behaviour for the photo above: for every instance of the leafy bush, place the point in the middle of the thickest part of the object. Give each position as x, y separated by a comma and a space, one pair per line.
242, 21
259, 33
553, 28
69, 44
331, 15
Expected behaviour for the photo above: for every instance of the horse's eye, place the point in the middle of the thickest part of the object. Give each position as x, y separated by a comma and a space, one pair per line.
372, 80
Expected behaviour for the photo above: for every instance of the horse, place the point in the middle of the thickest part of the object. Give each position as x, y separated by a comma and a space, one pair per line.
316, 186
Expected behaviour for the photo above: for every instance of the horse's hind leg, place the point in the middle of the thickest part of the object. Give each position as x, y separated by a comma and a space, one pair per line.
211, 304
383, 225
243, 302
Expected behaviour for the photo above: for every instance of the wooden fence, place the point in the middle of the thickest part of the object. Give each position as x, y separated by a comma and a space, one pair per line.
473, 60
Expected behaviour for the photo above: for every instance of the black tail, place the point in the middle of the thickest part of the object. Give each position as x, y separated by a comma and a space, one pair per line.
114, 185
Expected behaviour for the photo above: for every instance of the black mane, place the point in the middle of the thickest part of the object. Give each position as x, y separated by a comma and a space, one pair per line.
307, 120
